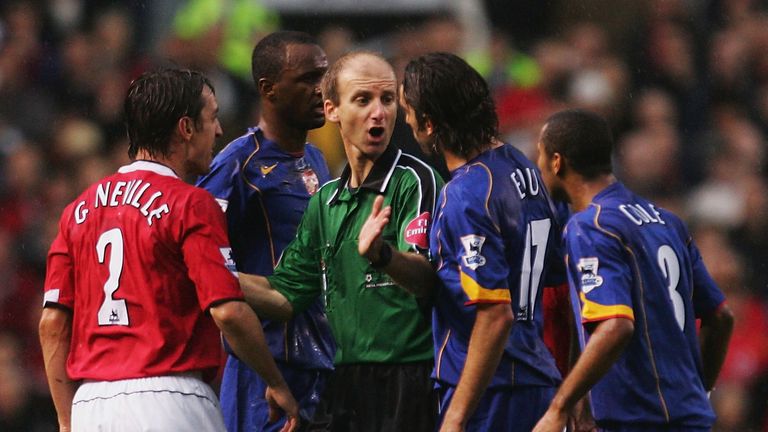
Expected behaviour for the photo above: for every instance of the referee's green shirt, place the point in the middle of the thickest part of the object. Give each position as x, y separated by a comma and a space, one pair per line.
373, 320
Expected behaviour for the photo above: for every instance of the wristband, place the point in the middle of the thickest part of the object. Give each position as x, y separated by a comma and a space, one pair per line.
385, 257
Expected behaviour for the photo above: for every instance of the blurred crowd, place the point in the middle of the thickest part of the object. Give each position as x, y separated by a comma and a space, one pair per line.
684, 84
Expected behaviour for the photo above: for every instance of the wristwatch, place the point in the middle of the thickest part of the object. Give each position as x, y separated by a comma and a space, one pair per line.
385, 256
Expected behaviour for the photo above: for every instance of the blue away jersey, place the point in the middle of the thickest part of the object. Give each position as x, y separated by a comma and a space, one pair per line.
628, 258
494, 239
264, 191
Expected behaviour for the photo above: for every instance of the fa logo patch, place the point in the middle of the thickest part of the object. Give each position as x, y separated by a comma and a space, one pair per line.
589, 277
473, 246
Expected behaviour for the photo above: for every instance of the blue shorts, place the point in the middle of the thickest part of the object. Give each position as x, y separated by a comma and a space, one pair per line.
515, 409
242, 395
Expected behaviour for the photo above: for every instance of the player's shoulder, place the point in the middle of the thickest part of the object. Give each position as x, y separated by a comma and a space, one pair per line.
327, 191
237, 149
313, 151
589, 220
411, 166
513, 155
185, 194
471, 186
474, 176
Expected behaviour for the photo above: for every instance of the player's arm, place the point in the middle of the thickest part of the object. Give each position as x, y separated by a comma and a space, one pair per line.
714, 336
605, 346
716, 318
265, 300
486, 346
409, 270
55, 331
242, 329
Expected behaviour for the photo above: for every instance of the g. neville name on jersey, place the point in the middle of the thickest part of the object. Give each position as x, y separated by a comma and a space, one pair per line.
130, 193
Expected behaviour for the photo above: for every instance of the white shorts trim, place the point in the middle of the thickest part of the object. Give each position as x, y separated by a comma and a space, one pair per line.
168, 403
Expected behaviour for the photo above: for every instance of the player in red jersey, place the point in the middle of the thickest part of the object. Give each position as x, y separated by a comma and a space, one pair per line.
139, 280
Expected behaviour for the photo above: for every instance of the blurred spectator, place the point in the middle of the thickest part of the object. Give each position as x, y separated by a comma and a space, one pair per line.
747, 358
22, 409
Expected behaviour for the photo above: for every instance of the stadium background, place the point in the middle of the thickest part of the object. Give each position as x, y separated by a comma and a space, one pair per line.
683, 82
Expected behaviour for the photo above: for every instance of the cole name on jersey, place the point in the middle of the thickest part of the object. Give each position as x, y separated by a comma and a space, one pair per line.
640, 215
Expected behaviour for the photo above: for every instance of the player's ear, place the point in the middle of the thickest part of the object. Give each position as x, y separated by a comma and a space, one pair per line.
557, 164
185, 127
331, 112
429, 128
266, 89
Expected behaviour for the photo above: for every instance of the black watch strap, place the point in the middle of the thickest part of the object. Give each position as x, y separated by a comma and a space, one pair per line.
385, 256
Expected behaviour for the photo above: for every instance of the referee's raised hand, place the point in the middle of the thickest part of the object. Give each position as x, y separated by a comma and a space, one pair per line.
370, 241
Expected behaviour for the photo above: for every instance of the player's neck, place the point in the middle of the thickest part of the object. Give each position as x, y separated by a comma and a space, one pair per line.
360, 165
287, 138
454, 161
171, 162
582, 192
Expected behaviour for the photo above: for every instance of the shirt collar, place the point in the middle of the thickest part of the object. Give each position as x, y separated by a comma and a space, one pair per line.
269, 147
146, 165
379, 176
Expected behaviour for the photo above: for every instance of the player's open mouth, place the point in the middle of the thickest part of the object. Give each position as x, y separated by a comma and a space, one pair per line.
376, 131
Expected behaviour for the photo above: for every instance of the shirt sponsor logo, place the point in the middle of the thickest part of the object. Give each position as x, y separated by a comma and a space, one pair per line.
417, 231
311, 181
589, 277
473, 246
267, 169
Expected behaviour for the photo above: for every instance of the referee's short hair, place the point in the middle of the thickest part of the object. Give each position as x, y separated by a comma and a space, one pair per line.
582, 138
443, 88
330, 84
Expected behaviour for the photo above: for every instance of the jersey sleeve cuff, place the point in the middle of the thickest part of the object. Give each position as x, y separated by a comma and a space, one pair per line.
593, 311
479, 294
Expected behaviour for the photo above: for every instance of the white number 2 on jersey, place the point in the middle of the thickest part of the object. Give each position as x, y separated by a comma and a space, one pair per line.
670, 267
537, 234
112, 311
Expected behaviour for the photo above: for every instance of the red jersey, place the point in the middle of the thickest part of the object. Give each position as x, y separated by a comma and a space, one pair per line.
139, 258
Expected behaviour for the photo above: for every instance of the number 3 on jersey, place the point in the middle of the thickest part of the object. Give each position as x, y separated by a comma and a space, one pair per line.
112, 311
670, 268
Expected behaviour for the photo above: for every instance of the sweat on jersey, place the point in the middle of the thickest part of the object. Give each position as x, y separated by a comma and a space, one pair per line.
628, 258
140, 257
495, 240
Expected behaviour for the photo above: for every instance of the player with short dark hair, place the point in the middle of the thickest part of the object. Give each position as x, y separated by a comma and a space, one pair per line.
263, 181
140, 276
494, 246
270, 56
642, 286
